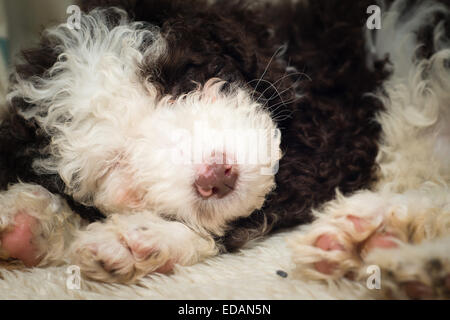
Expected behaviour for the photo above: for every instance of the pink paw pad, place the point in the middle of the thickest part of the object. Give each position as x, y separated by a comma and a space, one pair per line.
166, 268
380, 240
328, 243
18, 241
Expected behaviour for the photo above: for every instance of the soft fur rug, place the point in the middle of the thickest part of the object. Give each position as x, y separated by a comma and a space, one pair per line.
248, 274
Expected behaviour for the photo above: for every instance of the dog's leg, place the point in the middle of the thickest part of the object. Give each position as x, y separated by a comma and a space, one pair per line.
351, 229
35, 226
126, 247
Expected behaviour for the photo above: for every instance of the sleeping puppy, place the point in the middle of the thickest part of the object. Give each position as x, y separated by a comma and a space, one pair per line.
155, 133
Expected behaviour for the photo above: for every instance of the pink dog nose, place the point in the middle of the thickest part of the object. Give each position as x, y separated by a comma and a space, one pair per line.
215, 179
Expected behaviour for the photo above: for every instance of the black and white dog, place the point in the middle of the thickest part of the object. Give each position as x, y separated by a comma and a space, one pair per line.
154, 133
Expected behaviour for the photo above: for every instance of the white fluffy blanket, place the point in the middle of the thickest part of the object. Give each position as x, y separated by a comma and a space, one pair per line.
248, 274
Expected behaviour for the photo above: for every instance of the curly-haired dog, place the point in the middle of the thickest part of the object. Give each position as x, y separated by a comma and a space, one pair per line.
102, 119
402, 224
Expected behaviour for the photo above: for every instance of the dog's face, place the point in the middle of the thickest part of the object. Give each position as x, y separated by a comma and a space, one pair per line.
206, 157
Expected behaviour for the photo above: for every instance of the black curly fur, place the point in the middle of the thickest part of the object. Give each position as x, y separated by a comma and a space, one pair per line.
329, 138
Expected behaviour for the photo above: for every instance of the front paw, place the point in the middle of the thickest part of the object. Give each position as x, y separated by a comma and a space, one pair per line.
107, 253
336, 246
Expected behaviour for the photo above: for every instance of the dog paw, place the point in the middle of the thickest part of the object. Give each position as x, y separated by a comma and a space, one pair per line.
18, 239
107, 254
419, 271
35, 226
341, 251
336, 244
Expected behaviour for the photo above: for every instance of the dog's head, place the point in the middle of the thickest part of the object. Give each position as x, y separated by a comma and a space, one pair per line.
118, 141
